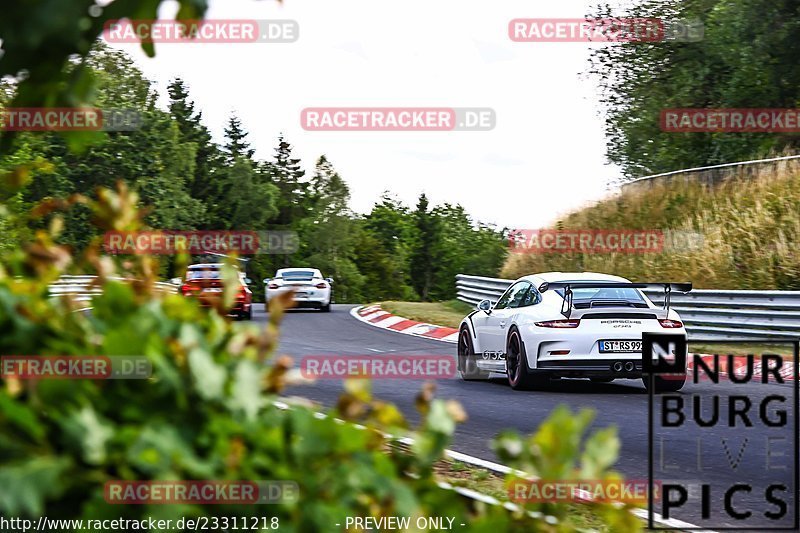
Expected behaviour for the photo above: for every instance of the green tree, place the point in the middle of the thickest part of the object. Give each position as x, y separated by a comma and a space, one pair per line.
746, 58
386, 249
205, 182
236, 144
328, 235
426, 251
286, 172
464, 247
42, 40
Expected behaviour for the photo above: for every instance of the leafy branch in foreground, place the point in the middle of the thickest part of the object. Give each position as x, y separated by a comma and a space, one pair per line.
207, 412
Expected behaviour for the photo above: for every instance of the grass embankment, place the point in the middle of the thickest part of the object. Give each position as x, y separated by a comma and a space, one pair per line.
448, 313
750, 228
580, 517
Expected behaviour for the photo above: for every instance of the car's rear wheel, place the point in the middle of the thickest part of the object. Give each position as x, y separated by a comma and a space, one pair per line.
467, 361
671, 384
519, 377
326, 307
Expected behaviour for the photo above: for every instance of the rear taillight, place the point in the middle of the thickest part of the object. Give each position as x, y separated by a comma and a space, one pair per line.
186, 288
272, 286
667, 323
321, 286
242, 294
559, 323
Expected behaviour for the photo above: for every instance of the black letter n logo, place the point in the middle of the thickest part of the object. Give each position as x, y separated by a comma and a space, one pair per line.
663, 353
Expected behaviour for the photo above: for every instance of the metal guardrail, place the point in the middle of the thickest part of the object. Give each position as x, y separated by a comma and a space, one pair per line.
709, 174
83, 288
708, 314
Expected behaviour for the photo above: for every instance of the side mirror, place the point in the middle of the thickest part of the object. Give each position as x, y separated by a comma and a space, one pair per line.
176, 281
329, 280
485, 306
266, 280
248, 281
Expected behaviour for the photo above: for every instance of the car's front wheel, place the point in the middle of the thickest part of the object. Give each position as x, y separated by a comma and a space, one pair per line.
519, 377
665, 384
467, 361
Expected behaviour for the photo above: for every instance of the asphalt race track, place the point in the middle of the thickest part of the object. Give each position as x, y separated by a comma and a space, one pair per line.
492, 406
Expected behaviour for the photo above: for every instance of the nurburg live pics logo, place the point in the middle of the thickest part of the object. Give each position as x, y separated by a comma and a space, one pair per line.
740, 427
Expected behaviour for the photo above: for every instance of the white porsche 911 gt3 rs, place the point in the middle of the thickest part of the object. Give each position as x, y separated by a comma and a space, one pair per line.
561, 324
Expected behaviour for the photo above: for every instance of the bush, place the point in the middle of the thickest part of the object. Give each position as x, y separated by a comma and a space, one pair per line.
207, 412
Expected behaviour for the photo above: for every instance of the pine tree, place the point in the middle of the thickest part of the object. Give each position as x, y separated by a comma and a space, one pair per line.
249, 199
236, 144
205, 182
285, 172
425, 252
328, 192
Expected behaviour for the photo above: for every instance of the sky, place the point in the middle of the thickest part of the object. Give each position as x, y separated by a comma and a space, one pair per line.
544, 157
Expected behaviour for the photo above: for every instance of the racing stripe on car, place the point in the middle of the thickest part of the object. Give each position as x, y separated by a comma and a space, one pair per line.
469, 317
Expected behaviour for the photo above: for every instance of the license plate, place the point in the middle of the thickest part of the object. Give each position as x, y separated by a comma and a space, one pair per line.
620, 346
215, 289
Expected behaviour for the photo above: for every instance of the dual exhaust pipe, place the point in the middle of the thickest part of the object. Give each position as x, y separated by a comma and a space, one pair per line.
619, 366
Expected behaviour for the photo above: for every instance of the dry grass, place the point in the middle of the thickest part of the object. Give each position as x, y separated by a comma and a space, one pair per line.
750, 228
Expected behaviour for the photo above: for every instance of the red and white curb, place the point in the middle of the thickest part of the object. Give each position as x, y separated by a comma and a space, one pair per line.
375, 316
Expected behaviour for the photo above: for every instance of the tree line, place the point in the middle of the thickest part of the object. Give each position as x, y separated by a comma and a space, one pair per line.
190, 182
746, 58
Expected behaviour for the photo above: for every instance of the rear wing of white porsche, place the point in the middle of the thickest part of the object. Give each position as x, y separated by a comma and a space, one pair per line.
568, 286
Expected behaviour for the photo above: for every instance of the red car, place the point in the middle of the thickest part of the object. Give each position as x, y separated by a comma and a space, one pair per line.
204, 282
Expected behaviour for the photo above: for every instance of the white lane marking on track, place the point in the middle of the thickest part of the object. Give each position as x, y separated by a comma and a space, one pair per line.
503, 469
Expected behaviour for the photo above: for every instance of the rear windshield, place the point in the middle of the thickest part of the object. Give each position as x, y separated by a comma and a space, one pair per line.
298, 274
202, 274
586, 294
